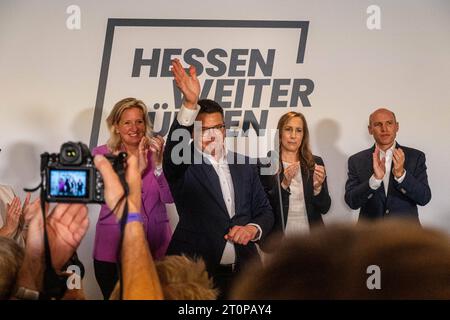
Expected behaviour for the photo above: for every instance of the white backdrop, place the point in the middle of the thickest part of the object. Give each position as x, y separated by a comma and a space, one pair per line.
49, 77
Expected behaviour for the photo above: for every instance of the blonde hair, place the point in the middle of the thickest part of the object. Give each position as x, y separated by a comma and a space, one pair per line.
185, 279
114, 141
181, 278
11, 257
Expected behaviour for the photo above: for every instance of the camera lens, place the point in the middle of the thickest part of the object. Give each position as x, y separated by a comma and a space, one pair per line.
70, 154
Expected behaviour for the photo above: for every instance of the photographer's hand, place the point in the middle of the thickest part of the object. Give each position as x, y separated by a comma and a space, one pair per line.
13, 216
114, 191
140, 278
67, 224
113, 188
32, 270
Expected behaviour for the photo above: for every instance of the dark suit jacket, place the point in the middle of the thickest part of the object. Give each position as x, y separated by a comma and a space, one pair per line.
402, 198
315, 205
204, 219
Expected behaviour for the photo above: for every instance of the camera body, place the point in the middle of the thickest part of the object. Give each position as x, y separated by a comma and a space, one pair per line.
71, 176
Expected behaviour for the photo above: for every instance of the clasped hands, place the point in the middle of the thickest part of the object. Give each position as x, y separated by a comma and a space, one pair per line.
242, 234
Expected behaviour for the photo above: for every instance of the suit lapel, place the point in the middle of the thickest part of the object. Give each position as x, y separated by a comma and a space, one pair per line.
368, 169
383, 191
211, 182
308, 192
235, 175
368, 164
208, 177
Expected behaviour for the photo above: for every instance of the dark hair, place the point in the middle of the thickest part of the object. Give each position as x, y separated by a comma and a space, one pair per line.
209, 106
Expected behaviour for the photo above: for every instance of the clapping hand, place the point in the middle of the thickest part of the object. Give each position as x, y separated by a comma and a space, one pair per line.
398, 162
379, 168
13, 216
318, 177
289, 173
157, 148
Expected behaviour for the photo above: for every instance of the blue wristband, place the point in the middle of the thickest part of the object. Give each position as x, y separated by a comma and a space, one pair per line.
134, 216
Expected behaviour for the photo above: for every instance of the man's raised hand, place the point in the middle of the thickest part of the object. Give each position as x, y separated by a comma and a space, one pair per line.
187, 83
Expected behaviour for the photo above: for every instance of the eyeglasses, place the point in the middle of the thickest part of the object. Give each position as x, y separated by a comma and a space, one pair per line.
209, 130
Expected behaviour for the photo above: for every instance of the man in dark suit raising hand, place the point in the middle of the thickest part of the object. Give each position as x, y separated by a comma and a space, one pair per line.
221, 204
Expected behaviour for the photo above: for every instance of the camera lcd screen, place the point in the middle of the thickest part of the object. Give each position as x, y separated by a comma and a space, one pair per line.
68, 183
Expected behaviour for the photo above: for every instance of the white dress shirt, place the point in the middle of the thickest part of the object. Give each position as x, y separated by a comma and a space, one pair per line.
226, 185
297, 222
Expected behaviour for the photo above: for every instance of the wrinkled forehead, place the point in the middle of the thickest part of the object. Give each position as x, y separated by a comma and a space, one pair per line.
381, 115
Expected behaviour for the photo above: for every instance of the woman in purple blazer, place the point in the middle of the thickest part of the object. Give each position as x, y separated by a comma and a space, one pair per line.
130, 131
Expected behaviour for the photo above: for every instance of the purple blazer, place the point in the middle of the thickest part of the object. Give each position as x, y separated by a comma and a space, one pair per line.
155, 194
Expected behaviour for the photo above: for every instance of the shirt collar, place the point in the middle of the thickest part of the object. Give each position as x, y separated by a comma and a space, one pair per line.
389, 151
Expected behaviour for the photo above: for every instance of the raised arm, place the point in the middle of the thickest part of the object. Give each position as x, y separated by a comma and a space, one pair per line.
187, 83
140, 279
177, 155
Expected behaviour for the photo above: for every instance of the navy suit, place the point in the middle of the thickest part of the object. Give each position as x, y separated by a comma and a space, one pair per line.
204, 219
402, 198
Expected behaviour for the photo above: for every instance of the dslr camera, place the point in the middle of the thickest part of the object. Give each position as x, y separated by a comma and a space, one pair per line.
71, 176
